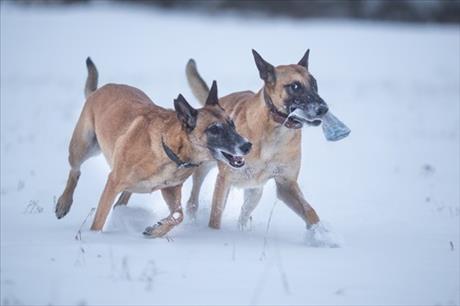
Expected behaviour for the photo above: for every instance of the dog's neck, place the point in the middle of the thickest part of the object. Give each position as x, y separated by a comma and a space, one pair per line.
271, 134
277, 115
177, 147
175, 157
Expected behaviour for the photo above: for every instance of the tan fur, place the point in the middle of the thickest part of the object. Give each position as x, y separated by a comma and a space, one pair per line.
275, 154
123, 123
198, 85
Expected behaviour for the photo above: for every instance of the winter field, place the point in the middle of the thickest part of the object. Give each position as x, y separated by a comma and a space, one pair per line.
390, 191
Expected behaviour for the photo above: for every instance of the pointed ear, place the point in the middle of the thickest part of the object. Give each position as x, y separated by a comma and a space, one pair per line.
304, 60
266, 70
212, 99
185, 113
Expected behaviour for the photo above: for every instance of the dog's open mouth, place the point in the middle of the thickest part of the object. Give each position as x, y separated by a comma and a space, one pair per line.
233, 160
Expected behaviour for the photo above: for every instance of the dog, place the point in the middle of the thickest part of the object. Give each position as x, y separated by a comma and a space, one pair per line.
148, 148
272, 118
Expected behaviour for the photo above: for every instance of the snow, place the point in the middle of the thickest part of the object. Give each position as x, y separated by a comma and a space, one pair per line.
390, 190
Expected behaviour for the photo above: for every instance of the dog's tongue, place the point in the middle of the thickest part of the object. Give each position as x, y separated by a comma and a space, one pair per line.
237, 161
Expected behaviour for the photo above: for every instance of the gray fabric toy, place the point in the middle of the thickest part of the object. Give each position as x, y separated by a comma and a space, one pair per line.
333, 128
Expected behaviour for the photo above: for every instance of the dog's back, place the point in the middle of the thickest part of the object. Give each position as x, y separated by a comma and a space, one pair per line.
118, 105
114, 109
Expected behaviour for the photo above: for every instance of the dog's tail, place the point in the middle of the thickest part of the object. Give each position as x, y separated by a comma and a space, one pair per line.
198, 86
91, 80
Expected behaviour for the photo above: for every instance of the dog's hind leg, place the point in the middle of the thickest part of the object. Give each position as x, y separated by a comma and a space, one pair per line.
251, 199
289, 192
82, 146
172, 197
198, 178
65, 200
123, 199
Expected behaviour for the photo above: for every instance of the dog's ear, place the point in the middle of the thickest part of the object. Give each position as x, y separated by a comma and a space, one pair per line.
185, 113
266, 70
212, 99
304, 60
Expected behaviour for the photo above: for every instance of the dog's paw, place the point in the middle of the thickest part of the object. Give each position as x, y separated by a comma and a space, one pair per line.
157, 230
197, 217
321, 235
191, 211
245, 224
62, 207
192, 218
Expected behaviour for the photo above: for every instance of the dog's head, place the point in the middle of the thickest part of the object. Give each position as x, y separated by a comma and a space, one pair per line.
211, 130
292, 90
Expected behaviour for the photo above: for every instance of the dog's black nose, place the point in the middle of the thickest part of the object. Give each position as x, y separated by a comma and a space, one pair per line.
245, 148
322, 110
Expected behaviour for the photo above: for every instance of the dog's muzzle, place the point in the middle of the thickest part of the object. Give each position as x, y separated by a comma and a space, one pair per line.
235, 159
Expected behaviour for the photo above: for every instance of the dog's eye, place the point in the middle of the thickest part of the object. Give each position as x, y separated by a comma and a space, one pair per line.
295, 86
214, 129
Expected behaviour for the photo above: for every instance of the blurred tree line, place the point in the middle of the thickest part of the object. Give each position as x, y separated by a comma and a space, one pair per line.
445, 11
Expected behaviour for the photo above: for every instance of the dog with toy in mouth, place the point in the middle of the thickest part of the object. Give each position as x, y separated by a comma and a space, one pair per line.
272, 118
148, 147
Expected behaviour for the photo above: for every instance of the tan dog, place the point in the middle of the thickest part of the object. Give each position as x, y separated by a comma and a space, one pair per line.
148, 148
264, 118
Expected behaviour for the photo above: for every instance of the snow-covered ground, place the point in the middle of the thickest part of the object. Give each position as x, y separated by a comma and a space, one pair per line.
390, 190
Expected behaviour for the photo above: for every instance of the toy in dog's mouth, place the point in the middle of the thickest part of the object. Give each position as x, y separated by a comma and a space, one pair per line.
234, 160
333, 128
313, 122
298, 116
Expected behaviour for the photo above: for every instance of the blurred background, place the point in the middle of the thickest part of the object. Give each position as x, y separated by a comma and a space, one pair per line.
442, 11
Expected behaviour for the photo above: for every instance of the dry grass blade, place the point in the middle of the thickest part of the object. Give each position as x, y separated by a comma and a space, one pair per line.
78, 234
263, 255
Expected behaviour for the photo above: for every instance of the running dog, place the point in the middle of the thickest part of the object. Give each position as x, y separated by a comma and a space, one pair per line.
148, 148
270, 118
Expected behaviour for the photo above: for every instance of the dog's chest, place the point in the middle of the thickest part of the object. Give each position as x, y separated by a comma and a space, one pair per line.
257, 173
172, 176
271, 162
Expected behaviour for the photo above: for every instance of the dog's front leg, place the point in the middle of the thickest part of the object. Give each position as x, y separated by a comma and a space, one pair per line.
289, 192
172, 197
105, 203
251, 199
219, 199
198, 178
